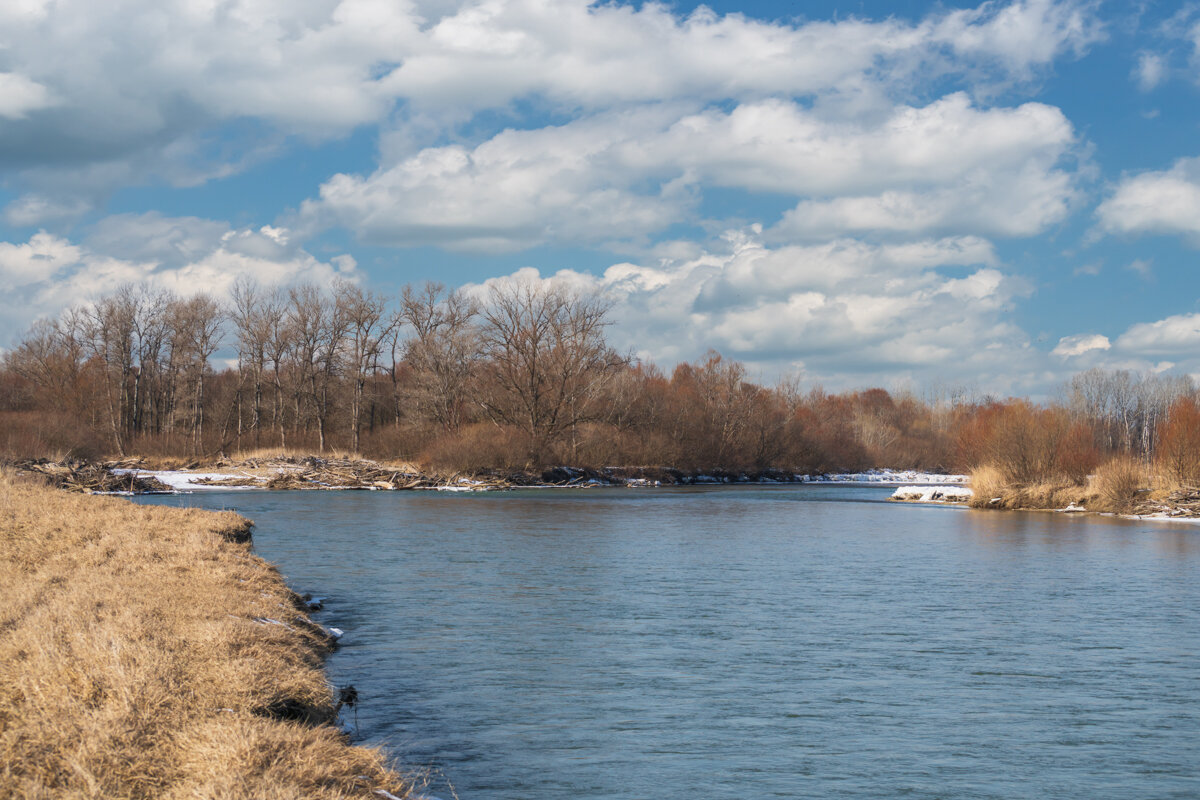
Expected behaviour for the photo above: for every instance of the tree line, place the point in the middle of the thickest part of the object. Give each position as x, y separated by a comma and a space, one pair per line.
519, 376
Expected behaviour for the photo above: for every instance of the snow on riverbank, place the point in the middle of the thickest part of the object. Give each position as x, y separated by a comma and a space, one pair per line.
886, 476
185, 481
933, 494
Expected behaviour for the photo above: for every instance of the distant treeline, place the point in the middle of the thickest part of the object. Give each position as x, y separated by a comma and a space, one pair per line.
523, 378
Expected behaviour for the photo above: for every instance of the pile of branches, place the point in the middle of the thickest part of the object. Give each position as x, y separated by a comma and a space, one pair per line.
1183, 503
77, 475
340, 473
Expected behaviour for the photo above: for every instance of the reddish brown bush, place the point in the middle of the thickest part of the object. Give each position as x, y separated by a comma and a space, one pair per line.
1178, 446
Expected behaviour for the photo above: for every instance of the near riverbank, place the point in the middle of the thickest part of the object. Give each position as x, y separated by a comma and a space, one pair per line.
148, 653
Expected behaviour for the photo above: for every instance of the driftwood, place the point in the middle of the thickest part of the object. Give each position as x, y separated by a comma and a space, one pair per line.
82, 476
1181, 503
313, 472
334, 473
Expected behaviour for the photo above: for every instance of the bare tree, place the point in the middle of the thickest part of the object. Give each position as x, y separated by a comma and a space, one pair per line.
152, 382
546, 360
442, 353
362, 315
257, 316
317, 327
196, 324
109, 335
51, 356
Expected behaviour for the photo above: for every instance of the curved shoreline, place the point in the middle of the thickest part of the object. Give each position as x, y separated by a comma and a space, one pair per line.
150, 653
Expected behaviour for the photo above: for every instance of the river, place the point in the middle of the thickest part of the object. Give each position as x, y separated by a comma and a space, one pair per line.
751, 642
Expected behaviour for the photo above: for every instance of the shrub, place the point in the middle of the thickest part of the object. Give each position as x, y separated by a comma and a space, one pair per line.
1178, 445
477, 448
989, 485
1117, 483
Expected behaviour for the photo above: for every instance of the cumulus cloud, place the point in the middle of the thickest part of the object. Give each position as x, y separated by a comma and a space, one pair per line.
37, 260
520, 188
131, 89
945, 167
1177, 335
1077, 345
1150, 70
1171, 343
19, 95
1165, 202
850, 311
582, 54
185, 255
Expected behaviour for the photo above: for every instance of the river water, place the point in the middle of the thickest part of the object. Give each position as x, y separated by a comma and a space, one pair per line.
751, 642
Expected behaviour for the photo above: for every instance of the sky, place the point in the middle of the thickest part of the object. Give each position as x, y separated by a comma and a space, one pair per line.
986, 196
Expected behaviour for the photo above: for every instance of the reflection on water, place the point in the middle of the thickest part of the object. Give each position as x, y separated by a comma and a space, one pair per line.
753, 642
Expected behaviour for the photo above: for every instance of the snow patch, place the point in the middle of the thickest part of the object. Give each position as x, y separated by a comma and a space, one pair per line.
886, 476
933, 494
184, 481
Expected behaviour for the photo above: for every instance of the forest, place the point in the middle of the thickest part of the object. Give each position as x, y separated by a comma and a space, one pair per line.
519, 377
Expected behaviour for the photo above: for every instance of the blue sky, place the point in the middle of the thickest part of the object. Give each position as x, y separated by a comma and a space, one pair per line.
993, 195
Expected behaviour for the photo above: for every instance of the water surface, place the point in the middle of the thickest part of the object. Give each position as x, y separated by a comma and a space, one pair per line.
804, 641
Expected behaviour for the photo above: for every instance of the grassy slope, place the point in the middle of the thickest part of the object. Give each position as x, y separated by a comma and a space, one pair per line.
131, 664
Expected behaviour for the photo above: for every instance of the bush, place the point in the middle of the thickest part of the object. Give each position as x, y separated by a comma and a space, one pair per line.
41, 434
989, 486
1117, 483
1028, 445
1178, 445
477, 448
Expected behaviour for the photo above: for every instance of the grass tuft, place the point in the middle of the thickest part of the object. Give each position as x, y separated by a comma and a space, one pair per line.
1118, 483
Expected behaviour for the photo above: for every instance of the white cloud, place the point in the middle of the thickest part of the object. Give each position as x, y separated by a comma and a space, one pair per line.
37, 260
19, 95
589, 55
850, 311
1176, 335
1079, 344
1166, 202
33, 209
1023, 34
518, 189
185, 255
1150, 70
134, 90
946, 167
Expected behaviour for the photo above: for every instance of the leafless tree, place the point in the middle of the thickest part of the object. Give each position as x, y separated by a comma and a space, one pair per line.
196, 324
257, 316
109, 334
545, 360
51, 356
442, 352
317, 326
362, 316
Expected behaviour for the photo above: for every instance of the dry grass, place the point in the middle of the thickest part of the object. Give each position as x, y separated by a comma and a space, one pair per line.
1118, 484
993, 491
132, 664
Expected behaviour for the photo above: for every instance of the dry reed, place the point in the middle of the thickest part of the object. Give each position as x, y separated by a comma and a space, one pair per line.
1118, 483
147, 653
992, 490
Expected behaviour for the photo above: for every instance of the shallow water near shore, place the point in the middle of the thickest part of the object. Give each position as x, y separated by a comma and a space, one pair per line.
749, 642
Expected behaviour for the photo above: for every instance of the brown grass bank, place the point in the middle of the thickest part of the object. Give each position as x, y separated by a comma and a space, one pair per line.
147, 653
1121, 485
